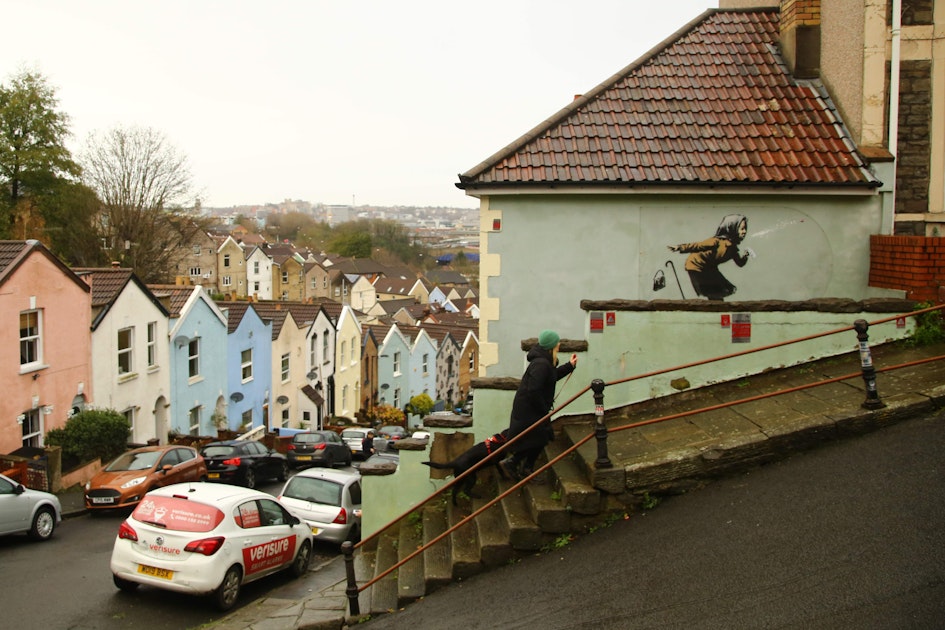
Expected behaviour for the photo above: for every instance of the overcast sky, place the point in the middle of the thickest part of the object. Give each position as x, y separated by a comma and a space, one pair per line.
371, 102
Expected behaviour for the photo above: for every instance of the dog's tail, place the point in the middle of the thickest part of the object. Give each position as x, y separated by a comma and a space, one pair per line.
437, 465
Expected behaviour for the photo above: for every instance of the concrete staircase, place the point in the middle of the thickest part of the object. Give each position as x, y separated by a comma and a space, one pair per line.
529, 519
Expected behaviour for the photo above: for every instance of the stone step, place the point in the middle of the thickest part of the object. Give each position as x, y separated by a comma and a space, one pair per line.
608, 480
365, 559
494, 547
464, 542
577, 495
524, 534
383, 597
437, 569
410, 576
545, 506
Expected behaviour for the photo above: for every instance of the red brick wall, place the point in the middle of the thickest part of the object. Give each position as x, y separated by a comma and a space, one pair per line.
914, 264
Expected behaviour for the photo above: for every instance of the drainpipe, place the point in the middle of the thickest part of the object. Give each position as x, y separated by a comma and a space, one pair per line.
893, 141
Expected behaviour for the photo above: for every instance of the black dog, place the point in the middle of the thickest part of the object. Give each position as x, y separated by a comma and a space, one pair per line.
470, 458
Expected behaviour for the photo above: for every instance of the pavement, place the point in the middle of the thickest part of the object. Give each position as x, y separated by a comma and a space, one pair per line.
794, 421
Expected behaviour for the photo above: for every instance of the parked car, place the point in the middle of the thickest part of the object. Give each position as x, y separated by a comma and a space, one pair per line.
243, 462
328, 500
24, 510
208, 539
134, 473
392, 432
321, 448
353, 438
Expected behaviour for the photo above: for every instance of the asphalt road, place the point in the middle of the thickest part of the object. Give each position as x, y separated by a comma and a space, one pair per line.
65, 583
849, 536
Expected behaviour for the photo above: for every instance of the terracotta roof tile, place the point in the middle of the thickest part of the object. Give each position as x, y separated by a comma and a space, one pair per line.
713, 104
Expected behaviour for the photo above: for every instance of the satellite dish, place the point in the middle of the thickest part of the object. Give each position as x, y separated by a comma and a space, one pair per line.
282, 400
312, 375
236, 396
181, 340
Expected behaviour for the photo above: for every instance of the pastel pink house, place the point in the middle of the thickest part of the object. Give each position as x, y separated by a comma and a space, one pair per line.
45, 318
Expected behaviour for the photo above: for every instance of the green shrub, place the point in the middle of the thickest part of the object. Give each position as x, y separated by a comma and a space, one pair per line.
91, 434
929, 327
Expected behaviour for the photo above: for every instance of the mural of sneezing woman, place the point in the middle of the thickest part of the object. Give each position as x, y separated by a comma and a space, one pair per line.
706, 256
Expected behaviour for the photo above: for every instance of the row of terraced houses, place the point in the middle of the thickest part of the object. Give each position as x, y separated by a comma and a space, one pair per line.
174, 360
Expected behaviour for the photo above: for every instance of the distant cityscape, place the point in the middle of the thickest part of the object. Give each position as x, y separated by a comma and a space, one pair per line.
456, 227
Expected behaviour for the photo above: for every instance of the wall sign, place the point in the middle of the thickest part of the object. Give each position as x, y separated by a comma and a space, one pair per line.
597, 321
741, 328
611, 318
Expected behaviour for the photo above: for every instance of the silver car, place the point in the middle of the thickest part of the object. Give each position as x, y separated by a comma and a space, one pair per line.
328, 500
23, 509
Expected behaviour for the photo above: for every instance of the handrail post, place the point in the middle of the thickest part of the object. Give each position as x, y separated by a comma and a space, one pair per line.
347, 548
600, 429
866, 364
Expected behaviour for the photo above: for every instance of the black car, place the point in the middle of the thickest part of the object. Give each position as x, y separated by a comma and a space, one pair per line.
318, 448
243, 462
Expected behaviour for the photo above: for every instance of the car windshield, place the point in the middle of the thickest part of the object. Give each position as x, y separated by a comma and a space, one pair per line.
313, 490
134, 461
308, 438
352, 435
218, 451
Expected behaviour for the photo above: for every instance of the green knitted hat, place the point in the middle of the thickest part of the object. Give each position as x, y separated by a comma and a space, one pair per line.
548, 339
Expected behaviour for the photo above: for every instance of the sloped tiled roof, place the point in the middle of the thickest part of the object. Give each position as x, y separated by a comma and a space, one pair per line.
106, 283
711, 105
14, 253
176, 296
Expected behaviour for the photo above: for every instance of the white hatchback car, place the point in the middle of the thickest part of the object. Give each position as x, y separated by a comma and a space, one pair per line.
328, 500
208, 539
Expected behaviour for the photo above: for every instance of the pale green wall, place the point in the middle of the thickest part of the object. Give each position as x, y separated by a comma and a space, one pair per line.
555, 251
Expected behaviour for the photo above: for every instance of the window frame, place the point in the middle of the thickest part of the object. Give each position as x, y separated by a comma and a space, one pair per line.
34, 340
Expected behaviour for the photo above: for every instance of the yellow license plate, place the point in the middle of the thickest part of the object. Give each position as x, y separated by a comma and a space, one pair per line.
164, 574
305, 457
213, 475
315, 531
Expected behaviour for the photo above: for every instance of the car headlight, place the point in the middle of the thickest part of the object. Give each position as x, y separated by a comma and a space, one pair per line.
137, 481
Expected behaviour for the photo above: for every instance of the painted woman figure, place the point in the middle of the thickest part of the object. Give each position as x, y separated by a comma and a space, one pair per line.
706, 256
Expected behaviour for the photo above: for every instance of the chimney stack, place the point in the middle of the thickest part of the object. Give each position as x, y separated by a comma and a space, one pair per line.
800, 37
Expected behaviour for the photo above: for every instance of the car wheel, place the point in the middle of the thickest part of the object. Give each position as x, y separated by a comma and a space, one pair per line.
44, 524
229, 590
125, 586
302, 559
283, 472
250, 479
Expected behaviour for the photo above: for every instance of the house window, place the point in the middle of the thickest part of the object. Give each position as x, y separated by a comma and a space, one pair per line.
246, 364
226, 281
312, 351
195, 271
314, 282
337, 291
285, 417
285, 296
396, 363
255, 266
129, 414
425, 363
397, 397
31, 338
152, 344
325, 354
341, 355
285, 277
256, 286
344, 397
354, 347
472, 360
33, 428
247, 418
194, 416
226, 260
196, 250
193, 358
125, 350
325, 282
285, 367
306, 418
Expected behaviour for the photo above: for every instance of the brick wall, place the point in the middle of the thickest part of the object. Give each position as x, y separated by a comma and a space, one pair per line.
914, 264
800, 12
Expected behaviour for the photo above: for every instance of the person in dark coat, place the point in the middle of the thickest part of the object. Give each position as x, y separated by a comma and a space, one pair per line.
534, 399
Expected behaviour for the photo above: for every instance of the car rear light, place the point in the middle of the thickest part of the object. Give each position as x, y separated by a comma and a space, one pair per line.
233, 461
205, 546
320, 446
290, 447
342, 517
127, 532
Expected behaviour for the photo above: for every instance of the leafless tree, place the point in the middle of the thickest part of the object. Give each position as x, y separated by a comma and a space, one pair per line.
144, 184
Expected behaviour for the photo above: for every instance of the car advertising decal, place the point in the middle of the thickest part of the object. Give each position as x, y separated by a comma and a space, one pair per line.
269, 554
178, 514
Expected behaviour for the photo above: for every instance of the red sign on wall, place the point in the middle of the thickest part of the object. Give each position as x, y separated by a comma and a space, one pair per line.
726, 320
597, 322
611, 318
741, 328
